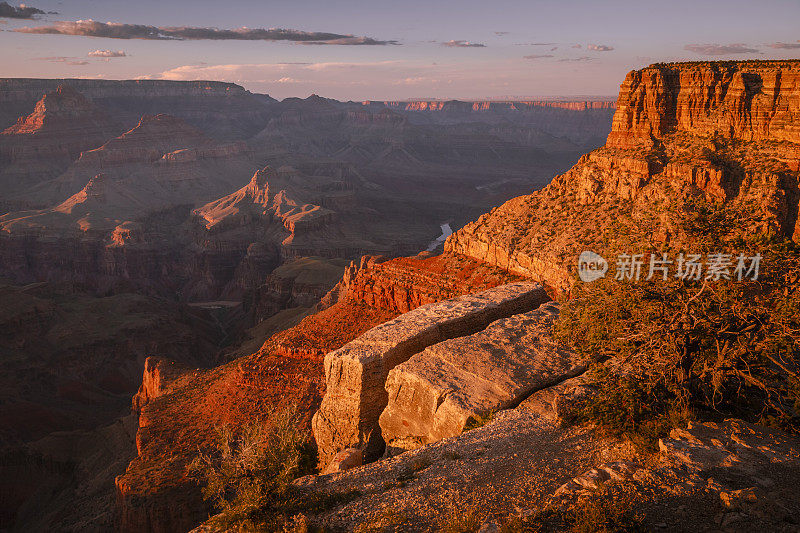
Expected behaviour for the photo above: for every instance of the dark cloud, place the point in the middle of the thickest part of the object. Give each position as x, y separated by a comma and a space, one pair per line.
62, 59
599, 47
113, 30
535, 44
463, 44
576, 46
21, 12
785, 46
538, 56
108, 53
501, 33
578, 59
714, 49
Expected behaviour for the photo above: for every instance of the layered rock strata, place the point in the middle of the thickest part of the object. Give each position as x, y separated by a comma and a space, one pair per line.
356, 373
44, 143
745, 100
223, 110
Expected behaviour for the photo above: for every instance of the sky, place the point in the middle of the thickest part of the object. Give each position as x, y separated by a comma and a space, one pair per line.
389, 50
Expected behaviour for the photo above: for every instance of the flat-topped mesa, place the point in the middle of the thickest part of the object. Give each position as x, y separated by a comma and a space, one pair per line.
745, 100
356, 373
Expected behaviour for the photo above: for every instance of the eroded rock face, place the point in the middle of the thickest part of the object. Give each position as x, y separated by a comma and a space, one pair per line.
751, 101
356, 373
44, 143
724, 133
159, 374
439, 391
405, 283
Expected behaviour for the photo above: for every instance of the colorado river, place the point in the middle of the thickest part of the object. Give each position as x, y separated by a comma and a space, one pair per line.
446, 232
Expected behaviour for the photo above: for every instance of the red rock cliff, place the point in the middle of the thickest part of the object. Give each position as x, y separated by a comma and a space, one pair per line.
750, 101
728, 132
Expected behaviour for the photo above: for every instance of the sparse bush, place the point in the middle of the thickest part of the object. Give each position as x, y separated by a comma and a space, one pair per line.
476, 421
726, 346
601, 512
247, 475
460, 521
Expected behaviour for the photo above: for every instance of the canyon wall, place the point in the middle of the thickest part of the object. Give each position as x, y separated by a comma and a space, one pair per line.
725, 133
223, 110
746, 100
583, 122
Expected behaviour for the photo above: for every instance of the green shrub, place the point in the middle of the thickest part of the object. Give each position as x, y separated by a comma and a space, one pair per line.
684, 348
476, 421
601, 512
247, 475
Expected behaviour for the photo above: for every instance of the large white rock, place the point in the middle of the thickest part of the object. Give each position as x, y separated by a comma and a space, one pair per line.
437, 392
356, 373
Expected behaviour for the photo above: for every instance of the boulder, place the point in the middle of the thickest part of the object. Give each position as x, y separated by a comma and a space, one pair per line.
356, 373
438, 392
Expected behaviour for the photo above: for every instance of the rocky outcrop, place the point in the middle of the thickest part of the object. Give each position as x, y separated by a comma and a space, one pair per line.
159, 377
438, 392
720, 132
44, 143
356, 373
745, 100
475, 242
402, 284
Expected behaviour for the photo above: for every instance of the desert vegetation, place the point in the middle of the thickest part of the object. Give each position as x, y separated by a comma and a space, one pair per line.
705, 348
246, 476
